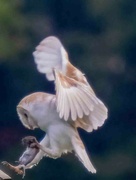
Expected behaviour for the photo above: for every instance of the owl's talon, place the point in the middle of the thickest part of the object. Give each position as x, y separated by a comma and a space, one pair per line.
4, 162
17, 169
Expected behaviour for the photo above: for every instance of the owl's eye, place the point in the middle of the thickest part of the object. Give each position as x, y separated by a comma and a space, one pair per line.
25, 115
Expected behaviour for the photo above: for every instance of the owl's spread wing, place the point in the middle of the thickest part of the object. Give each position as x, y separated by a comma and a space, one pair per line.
75, 97
50, 54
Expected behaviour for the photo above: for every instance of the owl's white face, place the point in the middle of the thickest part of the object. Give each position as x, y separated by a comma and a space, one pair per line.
34, 109
26, 119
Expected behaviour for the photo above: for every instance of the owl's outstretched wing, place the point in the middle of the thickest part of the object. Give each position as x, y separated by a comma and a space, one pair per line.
75, 97
50, 54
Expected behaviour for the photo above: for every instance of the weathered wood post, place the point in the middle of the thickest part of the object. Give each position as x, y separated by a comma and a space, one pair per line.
4, 176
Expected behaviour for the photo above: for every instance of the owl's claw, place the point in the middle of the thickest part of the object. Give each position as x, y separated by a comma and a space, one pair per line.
16, 169
31, 141
4, 162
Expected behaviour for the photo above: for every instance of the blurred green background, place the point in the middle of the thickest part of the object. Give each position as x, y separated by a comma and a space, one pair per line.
100, 37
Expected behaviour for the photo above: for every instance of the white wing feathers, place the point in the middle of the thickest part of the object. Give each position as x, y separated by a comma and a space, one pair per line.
50, 54
94, 120
75, 98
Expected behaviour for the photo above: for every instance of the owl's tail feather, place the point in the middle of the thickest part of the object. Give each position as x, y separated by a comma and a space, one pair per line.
82, 154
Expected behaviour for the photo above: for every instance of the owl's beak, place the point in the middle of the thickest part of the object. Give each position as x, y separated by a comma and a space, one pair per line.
30, 127
19, 106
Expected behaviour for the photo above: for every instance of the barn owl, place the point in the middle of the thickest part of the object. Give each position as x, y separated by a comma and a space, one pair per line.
75, 105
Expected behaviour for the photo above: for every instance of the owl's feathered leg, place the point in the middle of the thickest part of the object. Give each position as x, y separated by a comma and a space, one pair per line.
51, 152
44, 147
48, 150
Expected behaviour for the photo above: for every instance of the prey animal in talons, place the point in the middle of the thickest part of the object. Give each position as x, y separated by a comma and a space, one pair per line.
32, 148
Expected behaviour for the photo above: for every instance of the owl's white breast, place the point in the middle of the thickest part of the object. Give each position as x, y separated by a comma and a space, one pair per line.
48, 120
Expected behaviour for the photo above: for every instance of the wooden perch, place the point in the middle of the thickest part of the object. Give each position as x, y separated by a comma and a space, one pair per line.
14, 168
4, 176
